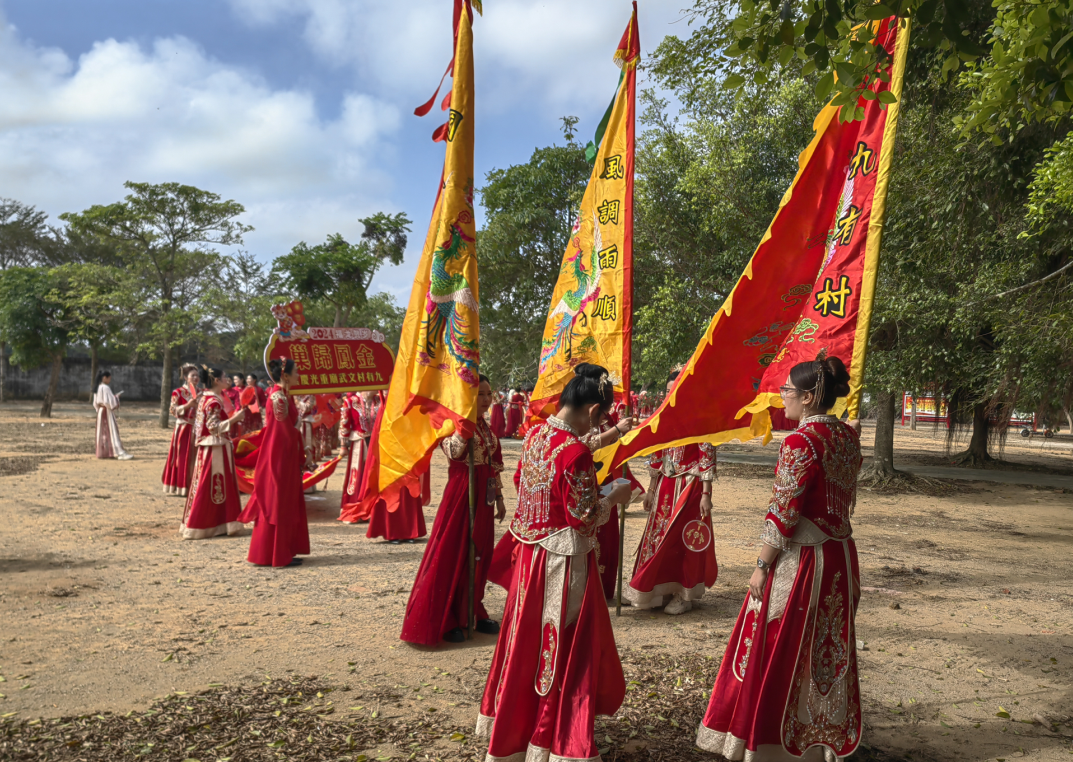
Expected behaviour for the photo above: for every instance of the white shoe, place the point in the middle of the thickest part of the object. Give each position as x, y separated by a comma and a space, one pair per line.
678, 605
125, 456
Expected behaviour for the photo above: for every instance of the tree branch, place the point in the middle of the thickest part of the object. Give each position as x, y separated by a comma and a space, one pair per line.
1044, 279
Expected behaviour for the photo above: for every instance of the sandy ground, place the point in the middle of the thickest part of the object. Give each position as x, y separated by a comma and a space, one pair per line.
967, 611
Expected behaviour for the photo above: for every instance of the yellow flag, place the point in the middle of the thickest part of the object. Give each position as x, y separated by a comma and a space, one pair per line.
433, 389
591, 315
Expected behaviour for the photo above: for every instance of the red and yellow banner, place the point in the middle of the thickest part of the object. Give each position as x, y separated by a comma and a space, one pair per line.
329, 360
809, 285
591, 315
434, 388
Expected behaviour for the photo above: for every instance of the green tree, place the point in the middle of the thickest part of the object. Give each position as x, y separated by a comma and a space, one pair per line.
163, 234
339, 272
23, 236
244, 308
529, 212
34, 323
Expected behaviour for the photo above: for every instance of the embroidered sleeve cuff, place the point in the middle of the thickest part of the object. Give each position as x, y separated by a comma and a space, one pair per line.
773, 537
592, 440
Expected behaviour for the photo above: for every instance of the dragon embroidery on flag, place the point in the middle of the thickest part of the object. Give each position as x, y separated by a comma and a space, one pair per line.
571, 307
446, 293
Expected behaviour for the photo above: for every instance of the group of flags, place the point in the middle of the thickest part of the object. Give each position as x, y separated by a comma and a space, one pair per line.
809, 285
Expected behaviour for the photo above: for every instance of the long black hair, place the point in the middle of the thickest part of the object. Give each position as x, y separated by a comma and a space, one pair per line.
590, 385
101, 375
208, 375
826, 377
277, 367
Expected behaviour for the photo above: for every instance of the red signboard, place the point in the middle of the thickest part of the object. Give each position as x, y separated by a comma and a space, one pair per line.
329, 360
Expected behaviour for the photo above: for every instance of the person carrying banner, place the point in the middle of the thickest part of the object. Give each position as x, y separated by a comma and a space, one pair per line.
556, 665
788, 684
178, 466
213, 505
277, 505
676, 556
439, 600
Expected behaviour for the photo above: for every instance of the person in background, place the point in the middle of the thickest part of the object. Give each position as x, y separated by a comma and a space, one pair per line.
438, 608
262, 398
106, 403
676, 555
277, 506
213, 505
788, 685
180, 462
498, 419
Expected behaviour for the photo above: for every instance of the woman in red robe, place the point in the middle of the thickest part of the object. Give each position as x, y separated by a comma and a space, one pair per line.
360, 415
277, 505
788, 686
213, 505
407, 522
676, 556
439, 601
555, 666
515, 400
257, 409
178, 466
498, 419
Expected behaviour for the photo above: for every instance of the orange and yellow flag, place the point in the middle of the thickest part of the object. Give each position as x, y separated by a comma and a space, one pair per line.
591, 315
809, 285
433, 389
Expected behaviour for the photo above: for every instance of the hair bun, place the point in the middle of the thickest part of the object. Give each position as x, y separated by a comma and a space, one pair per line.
837, 370
589, 370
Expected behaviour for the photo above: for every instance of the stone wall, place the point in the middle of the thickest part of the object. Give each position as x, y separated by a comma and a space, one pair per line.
140, 383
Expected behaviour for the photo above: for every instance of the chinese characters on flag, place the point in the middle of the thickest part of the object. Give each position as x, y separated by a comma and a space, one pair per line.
591, 315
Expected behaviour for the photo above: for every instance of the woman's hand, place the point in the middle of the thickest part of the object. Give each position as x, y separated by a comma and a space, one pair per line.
646, 504
620, 494
501, 508
757, 583
705, 505
855, 424
625, 425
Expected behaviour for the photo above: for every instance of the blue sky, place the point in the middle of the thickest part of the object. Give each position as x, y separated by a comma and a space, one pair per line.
302, 110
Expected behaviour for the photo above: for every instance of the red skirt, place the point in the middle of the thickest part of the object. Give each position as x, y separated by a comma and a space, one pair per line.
277, 545
788, 682
213, 505
498, 422
677, 551
350, 511
555, 665
407, 522
439, 600
514, 420
177, 467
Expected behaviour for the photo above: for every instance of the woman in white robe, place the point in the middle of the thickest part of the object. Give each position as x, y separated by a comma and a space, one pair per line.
106, 403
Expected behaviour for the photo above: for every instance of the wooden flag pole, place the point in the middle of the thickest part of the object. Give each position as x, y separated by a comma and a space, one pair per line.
470, 624
622, 524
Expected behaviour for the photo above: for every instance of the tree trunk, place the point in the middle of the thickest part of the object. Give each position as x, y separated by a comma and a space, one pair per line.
977, 456
1069, 419
94, 361
913, 415
3, 368
53, 384
338, 318
165, 388
883, 455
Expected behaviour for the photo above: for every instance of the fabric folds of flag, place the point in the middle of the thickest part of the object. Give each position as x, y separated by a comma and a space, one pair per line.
591, 315
433, 389
809, 285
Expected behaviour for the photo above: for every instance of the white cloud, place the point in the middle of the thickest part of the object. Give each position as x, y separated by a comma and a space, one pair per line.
557, 52
72, 131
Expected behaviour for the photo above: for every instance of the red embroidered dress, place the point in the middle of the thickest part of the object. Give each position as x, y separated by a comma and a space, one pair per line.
213, 505
277, 504
407, 521
514, 413
178, 466
497, 418
351, 429
439, 600
788, 687
676, 555
555, 665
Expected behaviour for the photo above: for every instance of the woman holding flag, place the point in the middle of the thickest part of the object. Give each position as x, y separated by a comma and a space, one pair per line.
676, 556
556, 665
438, 605
788, 685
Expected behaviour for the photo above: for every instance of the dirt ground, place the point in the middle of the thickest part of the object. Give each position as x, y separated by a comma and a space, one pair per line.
967, 612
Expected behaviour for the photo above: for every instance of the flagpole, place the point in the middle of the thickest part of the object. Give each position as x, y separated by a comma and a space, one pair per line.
470, 624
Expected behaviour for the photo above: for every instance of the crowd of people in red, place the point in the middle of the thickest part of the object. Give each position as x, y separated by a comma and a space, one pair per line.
788, 685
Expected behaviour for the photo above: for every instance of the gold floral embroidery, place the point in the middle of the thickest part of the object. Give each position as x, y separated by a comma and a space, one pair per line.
773, 537
789, 484
548, 671
581, 494
537, 473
